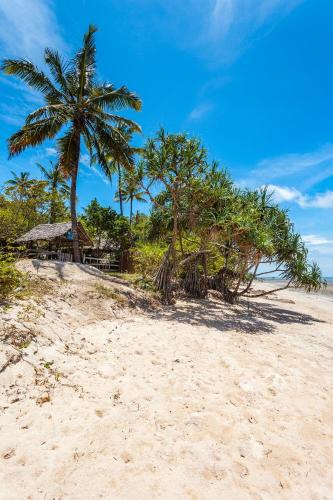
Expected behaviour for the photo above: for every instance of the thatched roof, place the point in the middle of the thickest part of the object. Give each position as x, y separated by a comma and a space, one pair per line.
49, 232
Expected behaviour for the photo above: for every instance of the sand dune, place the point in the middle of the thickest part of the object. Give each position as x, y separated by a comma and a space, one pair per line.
197, 401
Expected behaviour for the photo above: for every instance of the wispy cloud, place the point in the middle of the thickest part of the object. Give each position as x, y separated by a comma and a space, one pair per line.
12, 111
319, 163
314, 240
304, 169
217, 30
232, 23
200, 111
27, 27
291, 194
51, 151
85, 161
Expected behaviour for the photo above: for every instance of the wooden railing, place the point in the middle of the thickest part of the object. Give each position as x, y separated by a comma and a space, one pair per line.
50, 255
102, 264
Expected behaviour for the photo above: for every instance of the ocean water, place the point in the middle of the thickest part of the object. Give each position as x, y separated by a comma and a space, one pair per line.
328, 291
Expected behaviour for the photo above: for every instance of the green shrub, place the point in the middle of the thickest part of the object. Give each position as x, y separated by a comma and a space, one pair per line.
10, 277
147, 258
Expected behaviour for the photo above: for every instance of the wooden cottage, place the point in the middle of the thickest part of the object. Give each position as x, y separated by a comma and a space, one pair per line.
53, 241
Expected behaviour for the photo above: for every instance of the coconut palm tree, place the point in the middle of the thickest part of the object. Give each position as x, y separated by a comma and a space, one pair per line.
76, 104
19, 184
117, 166
56, 185
132, 189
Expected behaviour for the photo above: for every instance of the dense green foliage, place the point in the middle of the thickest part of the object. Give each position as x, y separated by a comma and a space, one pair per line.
106, 226
218, 236
10, 277
202, 231
79, 108
27, 202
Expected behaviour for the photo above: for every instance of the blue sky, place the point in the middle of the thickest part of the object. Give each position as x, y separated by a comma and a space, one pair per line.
252, 78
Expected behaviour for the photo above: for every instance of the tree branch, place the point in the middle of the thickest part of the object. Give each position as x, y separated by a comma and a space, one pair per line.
269, 292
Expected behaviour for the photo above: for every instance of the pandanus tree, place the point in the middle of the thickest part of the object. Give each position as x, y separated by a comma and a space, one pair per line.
225, 237
57, 186
172, 161
77, 110
210, 189
255, 232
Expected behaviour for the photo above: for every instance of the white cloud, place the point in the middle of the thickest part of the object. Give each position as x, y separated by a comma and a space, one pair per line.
317, 164
232, 23
51, 151
100, 175
27, 27
200, 111
219, 30
291, 194
85, 161
284, 193
320, 200
314, 239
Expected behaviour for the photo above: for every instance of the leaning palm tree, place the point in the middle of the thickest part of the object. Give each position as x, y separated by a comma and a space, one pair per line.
80, 106
56, 185
19, 184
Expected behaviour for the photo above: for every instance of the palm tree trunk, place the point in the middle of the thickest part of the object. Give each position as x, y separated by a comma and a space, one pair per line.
52, 204
120, 192
131, 210
74, 173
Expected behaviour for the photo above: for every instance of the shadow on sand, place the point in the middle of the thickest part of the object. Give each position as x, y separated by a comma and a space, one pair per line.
92, 271
249, 318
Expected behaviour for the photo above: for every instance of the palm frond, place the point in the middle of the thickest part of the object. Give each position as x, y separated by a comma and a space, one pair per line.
30, 74
109, 98
47, 174
48, 112
33, 134
85, 62
58, 70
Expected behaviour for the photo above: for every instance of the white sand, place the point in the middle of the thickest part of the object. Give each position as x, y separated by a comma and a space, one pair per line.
198, 401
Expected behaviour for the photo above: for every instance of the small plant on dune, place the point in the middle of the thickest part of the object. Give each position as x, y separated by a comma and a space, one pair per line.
11, 279
108, 293
17, 337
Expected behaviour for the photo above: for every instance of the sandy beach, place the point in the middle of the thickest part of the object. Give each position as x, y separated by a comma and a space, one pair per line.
104, 395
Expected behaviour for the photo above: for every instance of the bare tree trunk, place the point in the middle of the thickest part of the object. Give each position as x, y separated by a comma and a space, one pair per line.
74, 173
163, 280
163, 277
120, 191
193, 282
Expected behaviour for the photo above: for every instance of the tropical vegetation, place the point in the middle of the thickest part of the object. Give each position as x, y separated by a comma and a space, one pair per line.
77, 108
199, 232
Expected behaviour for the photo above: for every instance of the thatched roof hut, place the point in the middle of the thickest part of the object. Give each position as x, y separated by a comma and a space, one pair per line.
60, 234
